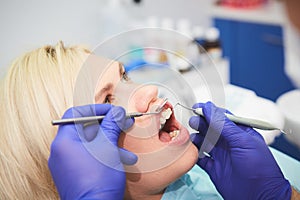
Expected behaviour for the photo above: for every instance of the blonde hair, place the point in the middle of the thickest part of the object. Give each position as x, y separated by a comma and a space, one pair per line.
37, 88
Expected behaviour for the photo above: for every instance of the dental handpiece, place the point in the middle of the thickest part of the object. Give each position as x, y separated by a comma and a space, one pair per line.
254, 123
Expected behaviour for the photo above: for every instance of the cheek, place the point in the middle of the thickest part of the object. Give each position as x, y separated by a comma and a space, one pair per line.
125, 143
138, 145
121, 141
192, 155
160, 179
181, 166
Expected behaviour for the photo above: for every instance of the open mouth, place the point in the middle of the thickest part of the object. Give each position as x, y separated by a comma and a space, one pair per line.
169, 126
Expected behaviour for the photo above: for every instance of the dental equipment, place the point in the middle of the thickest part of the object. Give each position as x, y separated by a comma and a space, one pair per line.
99, 118
254, 123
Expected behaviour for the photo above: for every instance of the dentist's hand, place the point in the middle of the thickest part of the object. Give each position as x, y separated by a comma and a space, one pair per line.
242, 166
85, 162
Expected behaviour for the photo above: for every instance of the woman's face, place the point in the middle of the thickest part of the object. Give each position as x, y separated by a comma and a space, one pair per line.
163, 154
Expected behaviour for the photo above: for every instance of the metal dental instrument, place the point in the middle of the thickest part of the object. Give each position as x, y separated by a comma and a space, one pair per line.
254, 123
99, 118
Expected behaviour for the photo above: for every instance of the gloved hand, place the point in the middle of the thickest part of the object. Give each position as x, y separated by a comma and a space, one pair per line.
85, 162
242, 166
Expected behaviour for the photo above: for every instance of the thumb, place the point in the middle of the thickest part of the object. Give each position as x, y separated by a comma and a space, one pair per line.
203, 161
197, 139
76, 131
198, 123
127, 157
115, 122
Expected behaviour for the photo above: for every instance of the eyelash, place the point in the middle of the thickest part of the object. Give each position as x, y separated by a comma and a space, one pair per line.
125, 77
110, 98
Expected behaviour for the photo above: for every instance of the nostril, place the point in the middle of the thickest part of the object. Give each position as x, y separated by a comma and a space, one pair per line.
142, 106
144, 98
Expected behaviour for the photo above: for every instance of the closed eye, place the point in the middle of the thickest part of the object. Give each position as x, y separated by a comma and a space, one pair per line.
109, 99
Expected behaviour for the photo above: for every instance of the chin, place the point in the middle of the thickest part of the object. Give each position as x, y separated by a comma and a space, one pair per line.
155, 182
188, 159
159, 141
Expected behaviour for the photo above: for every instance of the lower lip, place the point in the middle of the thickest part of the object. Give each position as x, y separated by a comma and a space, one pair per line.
182, 138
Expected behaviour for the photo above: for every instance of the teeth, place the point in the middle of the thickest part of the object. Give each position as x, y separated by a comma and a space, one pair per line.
174, 134
166, 114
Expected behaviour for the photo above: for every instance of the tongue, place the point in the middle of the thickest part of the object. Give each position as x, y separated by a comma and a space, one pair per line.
164, 136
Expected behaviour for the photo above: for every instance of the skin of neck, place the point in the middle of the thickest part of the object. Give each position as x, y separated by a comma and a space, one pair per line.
137, 190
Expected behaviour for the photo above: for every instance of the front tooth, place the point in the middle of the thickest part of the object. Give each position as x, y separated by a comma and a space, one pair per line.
162, 120
165, 115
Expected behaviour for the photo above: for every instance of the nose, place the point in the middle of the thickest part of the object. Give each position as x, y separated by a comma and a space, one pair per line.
144, 96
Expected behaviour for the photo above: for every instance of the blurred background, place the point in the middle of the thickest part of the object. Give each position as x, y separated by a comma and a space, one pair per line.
249, 41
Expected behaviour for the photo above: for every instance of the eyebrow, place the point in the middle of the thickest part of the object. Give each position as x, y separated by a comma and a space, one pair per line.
105, 89
109, 86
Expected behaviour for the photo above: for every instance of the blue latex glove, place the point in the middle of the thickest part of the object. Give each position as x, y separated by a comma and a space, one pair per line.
242, 166
85, 162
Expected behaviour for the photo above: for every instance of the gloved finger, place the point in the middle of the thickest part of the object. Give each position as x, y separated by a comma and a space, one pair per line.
252, 132
87, 110
248, 129
235, 136
256, 134
81, 111
198, 105
197, 139
198, 123
220, 125
114, 123
228, 112
245, 128
213, 113
90, 131
127, 157
206, 163
203, 142
216, 119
